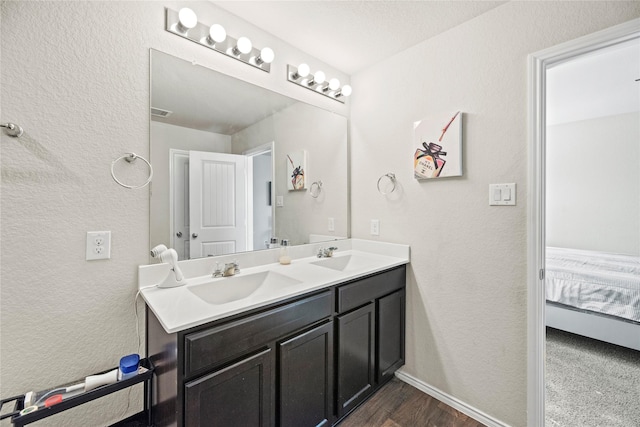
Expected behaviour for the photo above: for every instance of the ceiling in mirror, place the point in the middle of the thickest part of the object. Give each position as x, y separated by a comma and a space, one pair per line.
217, 103
225, 179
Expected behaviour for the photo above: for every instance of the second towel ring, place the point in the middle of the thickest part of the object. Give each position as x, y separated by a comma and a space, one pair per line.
392, 178
315, 189
131, 157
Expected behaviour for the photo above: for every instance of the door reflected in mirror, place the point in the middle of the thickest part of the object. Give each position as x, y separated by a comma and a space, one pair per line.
220, 146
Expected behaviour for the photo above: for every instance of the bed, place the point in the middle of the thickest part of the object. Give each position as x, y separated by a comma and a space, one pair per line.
594, 294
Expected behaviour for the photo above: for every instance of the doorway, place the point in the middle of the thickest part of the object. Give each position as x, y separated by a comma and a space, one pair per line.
539, 65
261, 217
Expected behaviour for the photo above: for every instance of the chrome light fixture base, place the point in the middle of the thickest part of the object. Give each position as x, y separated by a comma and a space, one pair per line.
200, 34
309, 83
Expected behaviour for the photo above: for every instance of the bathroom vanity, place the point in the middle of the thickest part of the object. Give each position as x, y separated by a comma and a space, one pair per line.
304, 360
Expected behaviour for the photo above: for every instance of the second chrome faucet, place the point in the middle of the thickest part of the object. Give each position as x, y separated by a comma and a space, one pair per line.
326, 252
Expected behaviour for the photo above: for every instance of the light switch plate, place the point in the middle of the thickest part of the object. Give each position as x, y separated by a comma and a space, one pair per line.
502, 194
279, 201
331, 224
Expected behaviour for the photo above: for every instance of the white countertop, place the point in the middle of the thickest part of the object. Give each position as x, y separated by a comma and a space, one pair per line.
180, 308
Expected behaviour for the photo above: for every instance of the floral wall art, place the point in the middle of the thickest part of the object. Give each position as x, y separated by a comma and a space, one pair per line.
296, 168
439, 146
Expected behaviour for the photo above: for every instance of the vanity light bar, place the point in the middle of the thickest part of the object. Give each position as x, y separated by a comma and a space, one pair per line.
302, 76
184, 23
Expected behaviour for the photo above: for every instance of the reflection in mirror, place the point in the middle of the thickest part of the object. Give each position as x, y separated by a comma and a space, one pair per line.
234, 163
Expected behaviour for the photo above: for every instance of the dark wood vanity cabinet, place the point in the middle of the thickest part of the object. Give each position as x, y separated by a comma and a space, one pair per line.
371, 313
356, 358
307, 361
306, 378
390, 327
239, 394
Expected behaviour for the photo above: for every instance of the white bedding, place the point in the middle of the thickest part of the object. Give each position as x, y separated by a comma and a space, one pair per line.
594, 281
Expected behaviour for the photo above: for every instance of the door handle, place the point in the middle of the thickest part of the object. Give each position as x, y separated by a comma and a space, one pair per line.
194, 235
179, 234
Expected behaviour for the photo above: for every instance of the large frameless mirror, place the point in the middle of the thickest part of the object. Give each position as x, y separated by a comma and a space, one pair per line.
237, 166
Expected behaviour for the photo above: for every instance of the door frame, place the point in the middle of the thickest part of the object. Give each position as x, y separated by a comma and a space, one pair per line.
537, 65
174, 153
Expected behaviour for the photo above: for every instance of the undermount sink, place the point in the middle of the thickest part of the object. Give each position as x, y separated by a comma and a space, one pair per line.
229, 289
344, 263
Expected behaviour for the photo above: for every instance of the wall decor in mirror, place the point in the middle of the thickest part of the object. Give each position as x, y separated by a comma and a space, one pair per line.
219, 147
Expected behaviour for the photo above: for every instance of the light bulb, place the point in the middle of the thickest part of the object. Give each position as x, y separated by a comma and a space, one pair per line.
187, 19
319, 77
303, 70
266, 56
334, 84
244, 45
217, 33
346, 90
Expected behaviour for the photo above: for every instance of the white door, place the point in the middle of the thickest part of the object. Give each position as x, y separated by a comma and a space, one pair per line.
217, 203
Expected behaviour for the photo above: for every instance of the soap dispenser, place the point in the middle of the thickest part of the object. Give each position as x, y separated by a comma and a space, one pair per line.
284, 258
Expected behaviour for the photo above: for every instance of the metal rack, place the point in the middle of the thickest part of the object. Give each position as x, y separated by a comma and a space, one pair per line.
71, 402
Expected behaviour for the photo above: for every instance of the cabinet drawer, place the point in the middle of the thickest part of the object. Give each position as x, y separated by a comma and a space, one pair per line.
362, 291
211, 347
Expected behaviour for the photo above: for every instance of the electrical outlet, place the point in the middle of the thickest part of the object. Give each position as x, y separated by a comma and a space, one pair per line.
98, 245
332, 224
375, 227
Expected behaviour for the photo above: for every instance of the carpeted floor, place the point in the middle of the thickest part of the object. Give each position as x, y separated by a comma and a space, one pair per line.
590, 383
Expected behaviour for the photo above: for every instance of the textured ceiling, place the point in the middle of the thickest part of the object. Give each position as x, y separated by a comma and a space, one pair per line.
352, 35
211, 101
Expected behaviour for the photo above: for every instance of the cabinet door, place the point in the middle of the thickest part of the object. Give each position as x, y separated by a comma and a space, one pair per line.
355, 362
238, 395
306, 378
390, 339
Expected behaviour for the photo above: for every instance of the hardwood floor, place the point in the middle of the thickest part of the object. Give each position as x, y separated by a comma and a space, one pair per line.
398, 404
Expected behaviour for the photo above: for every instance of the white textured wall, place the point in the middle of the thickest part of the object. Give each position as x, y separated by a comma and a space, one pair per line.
75, 75
593, 201
466, 319
326, 148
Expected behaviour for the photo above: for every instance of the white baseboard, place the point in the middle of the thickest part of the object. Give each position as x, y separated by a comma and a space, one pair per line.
456, 404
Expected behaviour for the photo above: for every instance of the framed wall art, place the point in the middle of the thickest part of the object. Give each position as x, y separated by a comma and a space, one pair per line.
438, 141
296, 168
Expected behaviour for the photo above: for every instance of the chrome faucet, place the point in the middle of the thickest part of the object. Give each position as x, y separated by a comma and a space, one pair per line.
230, 269
326, 252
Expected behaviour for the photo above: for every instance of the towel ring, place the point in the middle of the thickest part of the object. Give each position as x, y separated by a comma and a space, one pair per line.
315, 189
131, 157
12, 129
392, 178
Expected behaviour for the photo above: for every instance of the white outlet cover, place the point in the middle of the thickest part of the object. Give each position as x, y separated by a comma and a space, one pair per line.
375, 227
98, 245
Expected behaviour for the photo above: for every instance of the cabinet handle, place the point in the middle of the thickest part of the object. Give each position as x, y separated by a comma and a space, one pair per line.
179, 234
194, 235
